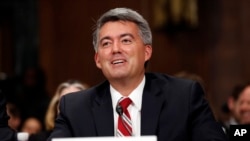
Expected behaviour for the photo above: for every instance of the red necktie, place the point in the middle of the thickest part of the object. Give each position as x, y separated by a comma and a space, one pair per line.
124, 120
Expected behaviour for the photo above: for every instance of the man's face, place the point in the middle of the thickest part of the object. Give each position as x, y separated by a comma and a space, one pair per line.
121, 52
242, 107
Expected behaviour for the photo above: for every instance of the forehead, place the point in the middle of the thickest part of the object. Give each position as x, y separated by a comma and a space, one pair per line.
245, 95
112, 27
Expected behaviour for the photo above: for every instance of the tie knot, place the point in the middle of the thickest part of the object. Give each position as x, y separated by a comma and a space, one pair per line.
125, 102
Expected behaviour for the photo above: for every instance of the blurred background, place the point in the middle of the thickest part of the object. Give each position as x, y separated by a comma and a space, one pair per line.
209, 38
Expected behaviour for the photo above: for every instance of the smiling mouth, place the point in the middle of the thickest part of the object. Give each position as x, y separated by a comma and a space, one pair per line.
118, 62
246, 114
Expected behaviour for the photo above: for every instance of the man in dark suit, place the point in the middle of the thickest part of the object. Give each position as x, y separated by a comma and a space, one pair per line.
6, 133
171, 108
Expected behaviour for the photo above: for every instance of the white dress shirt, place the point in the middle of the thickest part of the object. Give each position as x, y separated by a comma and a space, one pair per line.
134, 108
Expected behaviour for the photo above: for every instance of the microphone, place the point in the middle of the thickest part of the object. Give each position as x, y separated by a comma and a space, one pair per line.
119, 110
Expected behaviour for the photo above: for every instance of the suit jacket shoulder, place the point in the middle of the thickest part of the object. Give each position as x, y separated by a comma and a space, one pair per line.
180, 110
85, 113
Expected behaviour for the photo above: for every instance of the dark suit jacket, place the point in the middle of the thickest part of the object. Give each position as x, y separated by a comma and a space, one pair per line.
173, 109
6, 133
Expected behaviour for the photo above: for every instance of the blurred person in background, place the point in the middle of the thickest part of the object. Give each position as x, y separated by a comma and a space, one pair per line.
33, 98
15, 116
53, 110
31, 125
238, 104
63, 89
6, 132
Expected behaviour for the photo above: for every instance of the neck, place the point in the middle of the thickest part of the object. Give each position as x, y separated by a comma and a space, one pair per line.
125, 87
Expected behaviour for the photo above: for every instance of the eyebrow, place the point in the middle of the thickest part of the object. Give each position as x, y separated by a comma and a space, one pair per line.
127, 34
104, 38
120, 36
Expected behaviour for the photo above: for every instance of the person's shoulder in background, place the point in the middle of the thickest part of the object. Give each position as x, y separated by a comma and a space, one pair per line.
6, 133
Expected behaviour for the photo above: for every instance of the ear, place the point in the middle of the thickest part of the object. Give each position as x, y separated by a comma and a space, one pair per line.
230, 103
97, 60
148, 52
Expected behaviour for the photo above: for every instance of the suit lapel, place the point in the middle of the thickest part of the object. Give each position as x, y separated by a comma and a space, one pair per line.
103, 112
152, 102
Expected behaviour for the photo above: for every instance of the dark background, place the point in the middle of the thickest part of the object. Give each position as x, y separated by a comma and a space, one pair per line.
57, 36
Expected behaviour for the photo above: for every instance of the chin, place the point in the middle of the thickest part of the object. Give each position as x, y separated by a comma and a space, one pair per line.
118, 76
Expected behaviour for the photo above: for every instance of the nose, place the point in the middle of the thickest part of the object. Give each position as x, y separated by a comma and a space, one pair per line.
116, 47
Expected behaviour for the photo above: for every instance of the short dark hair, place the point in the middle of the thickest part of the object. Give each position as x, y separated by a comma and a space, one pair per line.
124, 14
238, 89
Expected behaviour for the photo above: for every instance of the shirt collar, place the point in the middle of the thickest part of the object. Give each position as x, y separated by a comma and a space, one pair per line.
135, 95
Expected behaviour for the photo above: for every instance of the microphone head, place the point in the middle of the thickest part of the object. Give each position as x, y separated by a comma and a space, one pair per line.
119, 110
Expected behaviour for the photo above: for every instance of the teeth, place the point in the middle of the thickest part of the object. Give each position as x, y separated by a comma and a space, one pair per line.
117, 62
